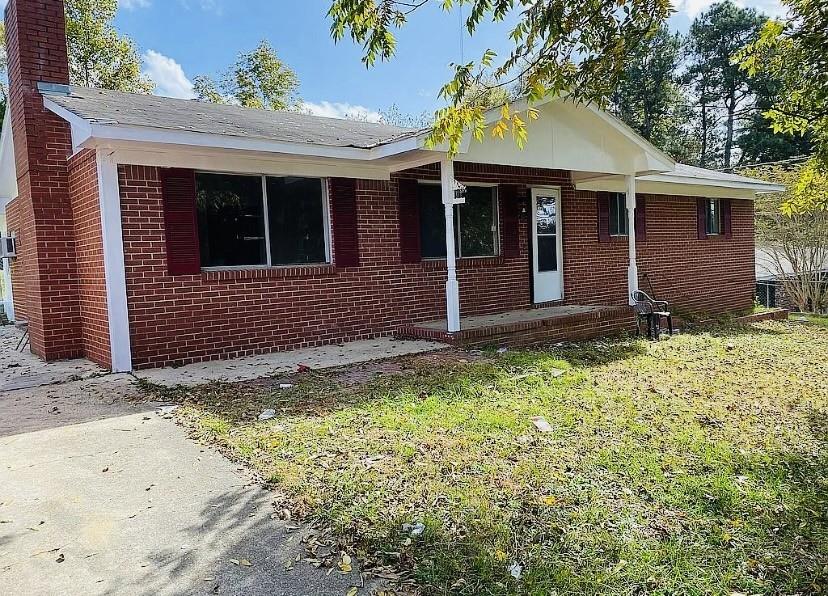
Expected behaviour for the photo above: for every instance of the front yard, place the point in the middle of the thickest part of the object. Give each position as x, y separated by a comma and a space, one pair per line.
695, 465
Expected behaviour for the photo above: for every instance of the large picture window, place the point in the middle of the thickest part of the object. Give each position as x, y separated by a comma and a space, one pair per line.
475, 223
261, 220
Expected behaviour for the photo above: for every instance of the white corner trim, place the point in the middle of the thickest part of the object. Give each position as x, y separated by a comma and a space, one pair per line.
114, 269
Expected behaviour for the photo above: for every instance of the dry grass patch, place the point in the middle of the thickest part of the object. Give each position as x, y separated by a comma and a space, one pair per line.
695, 465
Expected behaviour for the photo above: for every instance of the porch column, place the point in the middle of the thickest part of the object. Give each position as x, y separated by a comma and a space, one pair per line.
632, 271
452, 287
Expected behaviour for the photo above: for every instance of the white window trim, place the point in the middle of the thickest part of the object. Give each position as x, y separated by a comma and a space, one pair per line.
326, 224
458, 223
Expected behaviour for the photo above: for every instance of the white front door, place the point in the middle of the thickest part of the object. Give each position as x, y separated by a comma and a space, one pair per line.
547, 248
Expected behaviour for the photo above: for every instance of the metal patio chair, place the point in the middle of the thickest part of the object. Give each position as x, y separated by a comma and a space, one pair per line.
24, 339
652, 312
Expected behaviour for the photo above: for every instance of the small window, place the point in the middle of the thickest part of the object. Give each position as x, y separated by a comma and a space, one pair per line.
261, 221
475, 223
618, 221
713, 217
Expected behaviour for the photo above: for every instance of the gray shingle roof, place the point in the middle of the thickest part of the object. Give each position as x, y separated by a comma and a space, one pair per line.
113, 107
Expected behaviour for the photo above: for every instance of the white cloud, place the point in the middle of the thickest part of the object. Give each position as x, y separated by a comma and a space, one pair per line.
340, 110
168, 75
206, 5
133, 4
692, 8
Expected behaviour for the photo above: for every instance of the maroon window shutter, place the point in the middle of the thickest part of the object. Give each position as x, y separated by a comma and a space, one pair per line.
510, 220
640, 219
701, 208
727, 218
178, 190
344, 221
409, 221
603, 217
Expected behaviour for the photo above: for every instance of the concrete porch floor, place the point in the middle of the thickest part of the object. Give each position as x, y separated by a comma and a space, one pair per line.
284, 363
525, 327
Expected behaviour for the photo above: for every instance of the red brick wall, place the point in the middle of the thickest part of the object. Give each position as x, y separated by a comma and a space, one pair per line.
83, 188
175, 320
36, 44
713, 275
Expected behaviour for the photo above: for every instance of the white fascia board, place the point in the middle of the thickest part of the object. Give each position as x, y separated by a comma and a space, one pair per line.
760, 187
682, 189
81, 129
217, 160
107, 132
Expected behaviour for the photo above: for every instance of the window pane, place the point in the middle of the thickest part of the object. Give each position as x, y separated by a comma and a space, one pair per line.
477, 223
546, 216
297, 223
547, 253
713, 215
619, 224
432, 222
230, 220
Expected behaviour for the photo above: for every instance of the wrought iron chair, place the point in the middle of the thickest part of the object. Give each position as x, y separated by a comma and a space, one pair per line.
651, 311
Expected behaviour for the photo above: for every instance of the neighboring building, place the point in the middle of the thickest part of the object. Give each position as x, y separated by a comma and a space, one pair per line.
155, 231
770, 276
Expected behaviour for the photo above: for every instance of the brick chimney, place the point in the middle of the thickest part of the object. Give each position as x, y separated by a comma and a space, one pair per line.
42, 212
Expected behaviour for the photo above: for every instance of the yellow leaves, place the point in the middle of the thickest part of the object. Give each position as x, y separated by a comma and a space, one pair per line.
500, 555
550, 500
352, 592
345, 563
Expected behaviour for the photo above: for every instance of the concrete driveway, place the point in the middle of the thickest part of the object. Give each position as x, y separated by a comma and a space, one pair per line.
129, 505
100, 494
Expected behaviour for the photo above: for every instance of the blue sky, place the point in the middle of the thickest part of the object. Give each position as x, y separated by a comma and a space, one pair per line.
180, 39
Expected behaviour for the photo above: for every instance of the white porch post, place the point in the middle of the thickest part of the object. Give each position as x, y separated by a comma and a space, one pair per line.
452, 287
114, 268
632, 271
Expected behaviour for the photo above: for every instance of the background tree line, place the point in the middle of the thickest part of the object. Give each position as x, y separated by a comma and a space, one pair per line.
689, 96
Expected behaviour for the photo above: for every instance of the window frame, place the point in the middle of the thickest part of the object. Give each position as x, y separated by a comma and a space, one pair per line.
621, 199
718, 217
457, 221
326, 222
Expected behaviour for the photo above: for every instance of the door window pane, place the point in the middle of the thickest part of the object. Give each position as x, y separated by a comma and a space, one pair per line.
547, 253
230, 220
296, 220
547, 217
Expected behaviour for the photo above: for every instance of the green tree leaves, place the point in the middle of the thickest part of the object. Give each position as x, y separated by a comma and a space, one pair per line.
258, 79
98, 56
558, 47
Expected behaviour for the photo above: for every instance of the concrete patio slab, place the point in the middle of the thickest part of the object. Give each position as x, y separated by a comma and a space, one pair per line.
23, 370
129, 505
280, 363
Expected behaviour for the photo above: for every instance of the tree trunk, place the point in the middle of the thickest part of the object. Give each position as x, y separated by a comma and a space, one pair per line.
728, 147
703, 155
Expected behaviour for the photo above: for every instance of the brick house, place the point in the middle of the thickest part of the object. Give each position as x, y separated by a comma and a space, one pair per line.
154, 231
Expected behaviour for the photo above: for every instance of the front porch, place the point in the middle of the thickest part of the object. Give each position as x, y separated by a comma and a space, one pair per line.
527, 327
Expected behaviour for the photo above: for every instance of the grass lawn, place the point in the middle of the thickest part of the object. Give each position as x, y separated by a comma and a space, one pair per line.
696, 465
